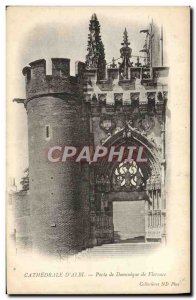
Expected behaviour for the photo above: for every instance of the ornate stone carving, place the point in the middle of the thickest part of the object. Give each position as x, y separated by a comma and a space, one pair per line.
96, 54
165, 95
154, 182
159, 96
135, 96
94, 99
102, 98
87, 98
151, 95
102, 183
107, 123
108, 135
125, 52
145, 123
146, 74
128, 176
118, 97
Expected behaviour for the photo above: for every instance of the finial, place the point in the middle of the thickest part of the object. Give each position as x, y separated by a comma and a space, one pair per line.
138, 64
113, 65
95, 58
125, 39
94, 17
125, 52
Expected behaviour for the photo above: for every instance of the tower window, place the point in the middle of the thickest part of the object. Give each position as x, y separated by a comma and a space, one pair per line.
47, 132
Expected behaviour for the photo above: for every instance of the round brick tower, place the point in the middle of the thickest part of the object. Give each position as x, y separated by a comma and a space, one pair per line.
59, 192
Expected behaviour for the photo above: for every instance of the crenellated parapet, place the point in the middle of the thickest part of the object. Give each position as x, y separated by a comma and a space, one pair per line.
145, 89
38, 83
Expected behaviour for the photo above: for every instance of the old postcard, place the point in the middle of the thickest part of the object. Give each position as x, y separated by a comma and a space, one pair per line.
98, 150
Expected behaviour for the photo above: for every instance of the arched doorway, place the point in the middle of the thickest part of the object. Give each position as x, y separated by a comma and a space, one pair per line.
128, 207
129, 196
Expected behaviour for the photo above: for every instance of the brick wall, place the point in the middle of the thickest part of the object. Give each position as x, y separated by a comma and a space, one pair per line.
58, 191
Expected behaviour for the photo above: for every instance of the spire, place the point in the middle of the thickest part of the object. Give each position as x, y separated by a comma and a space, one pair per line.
13, 187
125, 52
94, 17
125, 38
146, 47
152, 46
95, 57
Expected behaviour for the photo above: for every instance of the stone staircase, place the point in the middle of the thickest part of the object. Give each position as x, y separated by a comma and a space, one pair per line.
120, 249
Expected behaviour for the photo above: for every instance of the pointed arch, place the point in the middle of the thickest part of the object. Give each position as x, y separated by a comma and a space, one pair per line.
132, 138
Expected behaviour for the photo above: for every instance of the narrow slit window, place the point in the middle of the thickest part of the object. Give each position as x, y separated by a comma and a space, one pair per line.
47, 132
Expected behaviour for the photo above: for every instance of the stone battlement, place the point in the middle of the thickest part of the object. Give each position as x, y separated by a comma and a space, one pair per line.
38, 83
130, 102
145, 88
147, 77
141, 82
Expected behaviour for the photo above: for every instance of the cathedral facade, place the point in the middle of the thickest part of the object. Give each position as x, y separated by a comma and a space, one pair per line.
67, 207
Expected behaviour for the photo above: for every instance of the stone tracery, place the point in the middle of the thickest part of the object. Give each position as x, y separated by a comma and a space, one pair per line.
128, 176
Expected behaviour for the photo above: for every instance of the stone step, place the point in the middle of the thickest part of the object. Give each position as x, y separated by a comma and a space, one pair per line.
120, 249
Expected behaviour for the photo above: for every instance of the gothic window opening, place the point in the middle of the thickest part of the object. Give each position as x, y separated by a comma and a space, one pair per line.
128, 176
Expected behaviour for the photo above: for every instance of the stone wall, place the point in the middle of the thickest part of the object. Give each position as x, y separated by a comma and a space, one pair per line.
21, 217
